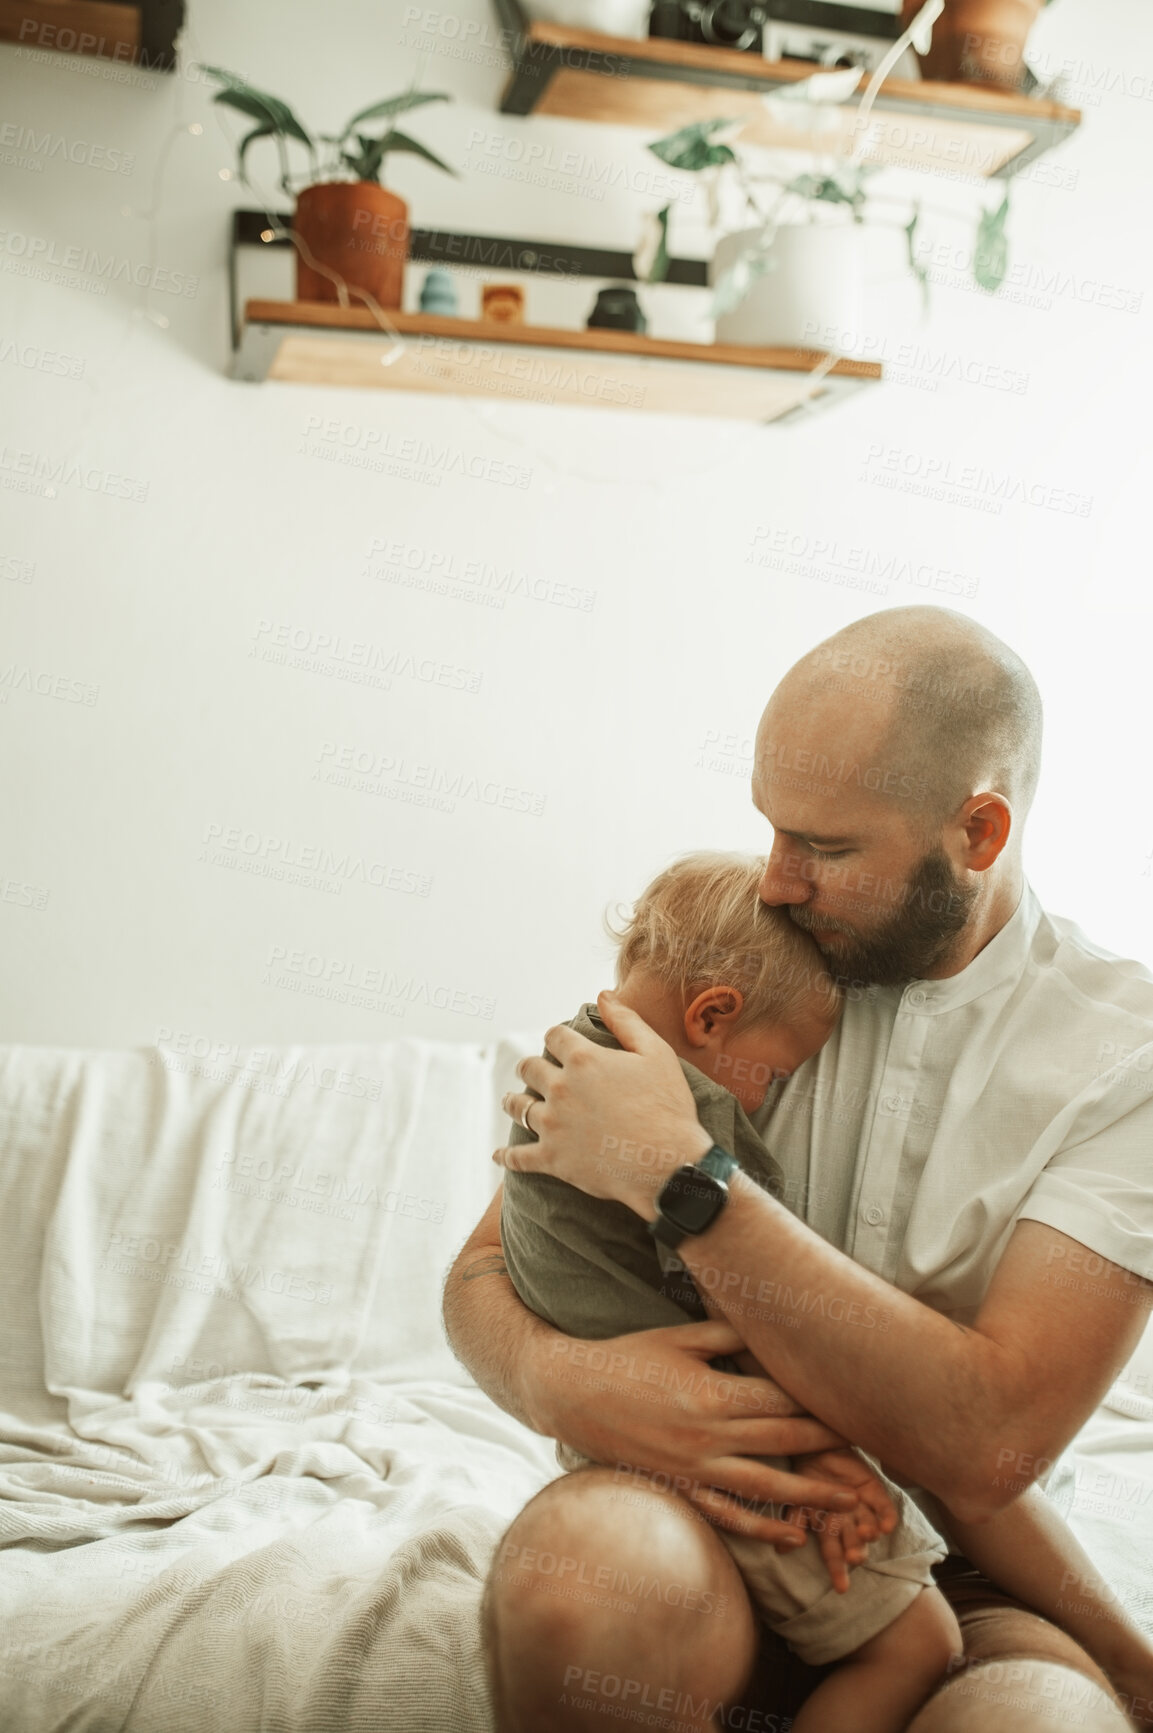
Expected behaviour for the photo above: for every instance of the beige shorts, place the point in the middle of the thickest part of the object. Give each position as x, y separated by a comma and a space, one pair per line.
792, 1591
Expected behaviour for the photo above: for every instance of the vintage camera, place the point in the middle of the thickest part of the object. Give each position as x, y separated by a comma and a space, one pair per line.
722, 23
829, 33
825, 33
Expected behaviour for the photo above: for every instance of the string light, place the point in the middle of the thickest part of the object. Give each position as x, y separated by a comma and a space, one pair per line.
276, 230
136, 316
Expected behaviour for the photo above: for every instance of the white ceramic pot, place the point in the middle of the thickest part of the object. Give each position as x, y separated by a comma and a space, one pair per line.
609, 17
810, 298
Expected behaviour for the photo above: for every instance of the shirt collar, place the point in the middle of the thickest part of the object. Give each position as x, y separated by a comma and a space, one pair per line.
1002, 959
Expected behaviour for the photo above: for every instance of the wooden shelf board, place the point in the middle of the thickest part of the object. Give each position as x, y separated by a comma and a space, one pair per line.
661, 85
84, 27
323, 315
138, 33
707, 62
951, 145
309, 343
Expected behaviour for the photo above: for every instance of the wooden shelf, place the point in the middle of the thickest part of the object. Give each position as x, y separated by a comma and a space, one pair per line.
137, 32
954, 129
306, 342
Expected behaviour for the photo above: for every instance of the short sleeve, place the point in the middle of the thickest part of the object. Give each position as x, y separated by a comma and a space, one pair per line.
1097, 1186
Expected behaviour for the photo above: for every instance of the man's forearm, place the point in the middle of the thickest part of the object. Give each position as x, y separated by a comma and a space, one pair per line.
922, 1393
972, 1413
490, 1329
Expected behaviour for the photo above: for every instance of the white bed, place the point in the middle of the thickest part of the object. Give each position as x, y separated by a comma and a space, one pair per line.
243, 1483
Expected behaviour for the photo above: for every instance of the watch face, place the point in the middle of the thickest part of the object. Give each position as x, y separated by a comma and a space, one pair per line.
692, 1199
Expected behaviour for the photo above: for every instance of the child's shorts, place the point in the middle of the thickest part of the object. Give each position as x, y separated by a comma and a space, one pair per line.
793, 1594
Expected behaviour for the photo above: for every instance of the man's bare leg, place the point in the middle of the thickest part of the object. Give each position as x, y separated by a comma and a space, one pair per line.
562, 1650
605, 1597
1022, 1675
1021, 1695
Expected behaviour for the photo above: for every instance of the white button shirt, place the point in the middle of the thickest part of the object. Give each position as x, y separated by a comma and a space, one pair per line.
938, 1115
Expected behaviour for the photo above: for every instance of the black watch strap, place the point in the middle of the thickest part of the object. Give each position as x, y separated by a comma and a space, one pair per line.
693, 1197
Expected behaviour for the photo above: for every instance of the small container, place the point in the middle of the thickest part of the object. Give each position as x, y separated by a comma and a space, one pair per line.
617, 309
438, 294
502, 302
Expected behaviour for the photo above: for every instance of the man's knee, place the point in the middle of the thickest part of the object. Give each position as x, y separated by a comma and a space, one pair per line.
592, 1540
596, 1569
1020, 1694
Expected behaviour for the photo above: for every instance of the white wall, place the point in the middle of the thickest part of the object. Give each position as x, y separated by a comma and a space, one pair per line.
600, 714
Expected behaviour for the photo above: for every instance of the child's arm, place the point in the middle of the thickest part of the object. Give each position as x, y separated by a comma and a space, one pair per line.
1030, 1552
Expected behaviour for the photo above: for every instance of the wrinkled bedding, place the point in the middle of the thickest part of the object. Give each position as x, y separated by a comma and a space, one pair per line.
243, 1482
244, 1485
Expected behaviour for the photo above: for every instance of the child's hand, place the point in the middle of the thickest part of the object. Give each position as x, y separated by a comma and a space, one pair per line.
843, 1538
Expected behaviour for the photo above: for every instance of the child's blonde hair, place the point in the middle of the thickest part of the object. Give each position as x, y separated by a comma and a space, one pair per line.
701, 923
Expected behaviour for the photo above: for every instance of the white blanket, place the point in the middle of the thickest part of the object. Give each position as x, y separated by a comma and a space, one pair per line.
243, 1483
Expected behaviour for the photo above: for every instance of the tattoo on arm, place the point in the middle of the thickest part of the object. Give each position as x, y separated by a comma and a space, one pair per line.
493, 1265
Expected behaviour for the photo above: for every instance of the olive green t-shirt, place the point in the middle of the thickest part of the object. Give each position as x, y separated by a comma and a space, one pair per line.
588, 1265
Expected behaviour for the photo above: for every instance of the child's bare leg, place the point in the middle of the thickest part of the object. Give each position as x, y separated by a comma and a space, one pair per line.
880, 1687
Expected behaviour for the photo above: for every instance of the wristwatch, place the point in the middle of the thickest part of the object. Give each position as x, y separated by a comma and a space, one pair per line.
693, 1197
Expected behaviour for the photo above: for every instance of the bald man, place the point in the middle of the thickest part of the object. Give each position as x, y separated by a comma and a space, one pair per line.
965, 1160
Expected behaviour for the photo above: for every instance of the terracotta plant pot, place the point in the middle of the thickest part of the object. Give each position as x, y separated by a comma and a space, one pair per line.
359, 231
978, 41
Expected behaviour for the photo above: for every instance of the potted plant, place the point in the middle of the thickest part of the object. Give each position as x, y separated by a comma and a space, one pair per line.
350, 231
979, 41
797, 267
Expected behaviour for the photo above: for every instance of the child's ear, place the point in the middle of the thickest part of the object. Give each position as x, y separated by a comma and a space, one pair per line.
712, 1013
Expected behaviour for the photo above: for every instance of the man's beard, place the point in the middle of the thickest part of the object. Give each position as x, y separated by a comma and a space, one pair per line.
934, 908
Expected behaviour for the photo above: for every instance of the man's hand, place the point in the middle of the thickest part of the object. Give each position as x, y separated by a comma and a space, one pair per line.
650, 1402
844, 1540
646, 1402
614, 1124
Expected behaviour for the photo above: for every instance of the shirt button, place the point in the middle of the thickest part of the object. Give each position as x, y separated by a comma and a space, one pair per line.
917, 997
874, 1215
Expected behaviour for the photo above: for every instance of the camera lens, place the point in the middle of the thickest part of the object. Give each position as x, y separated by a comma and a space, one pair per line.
731, 23
723, 23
